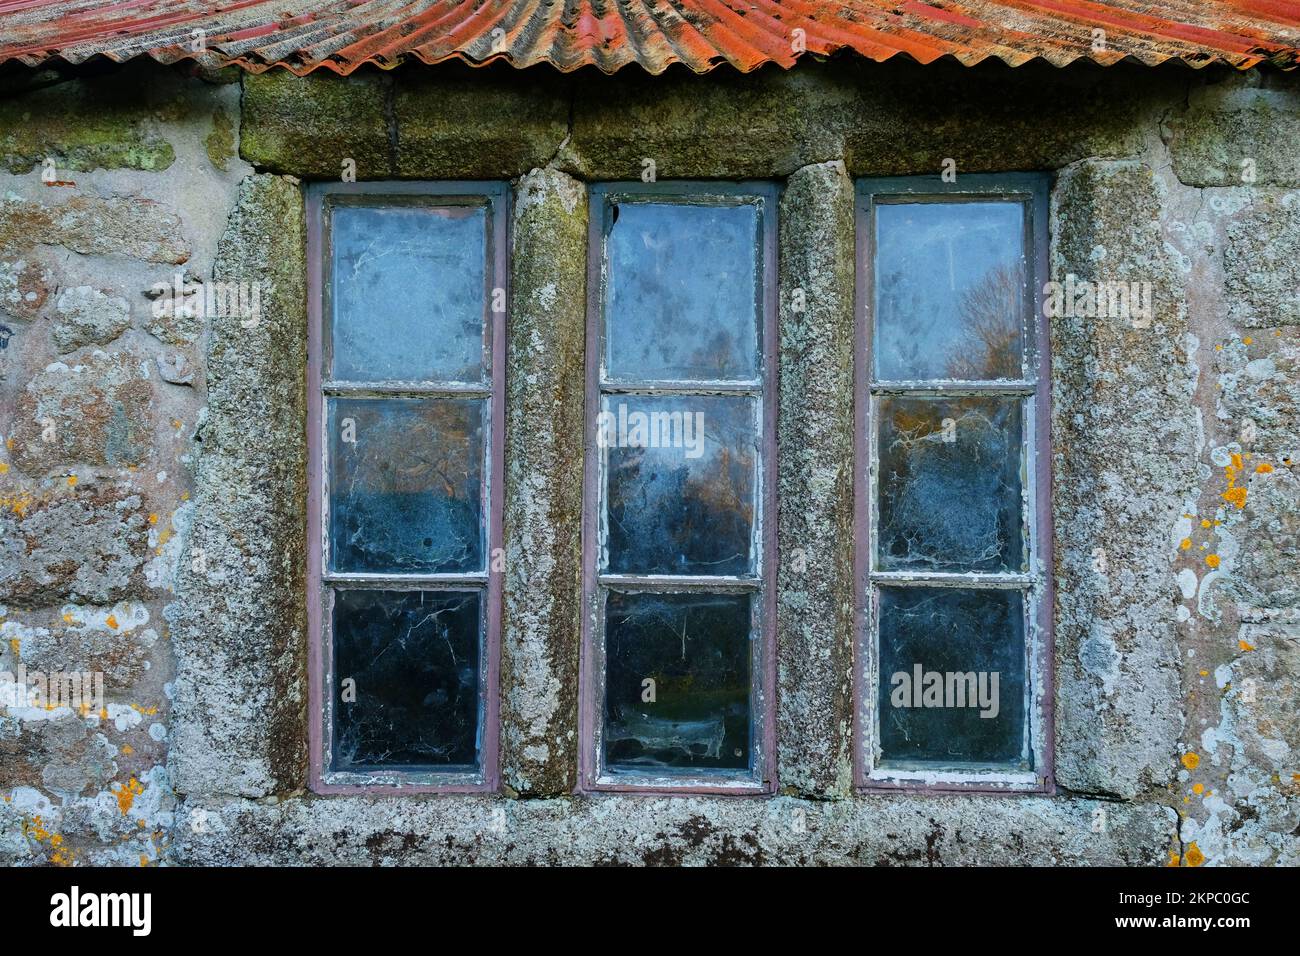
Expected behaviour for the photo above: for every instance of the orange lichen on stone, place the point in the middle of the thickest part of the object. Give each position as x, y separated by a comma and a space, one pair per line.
1263, 468
1185, 543
1212, 560
72, 481
1194, 855
126, 795
1198, 788
1191, 760
112, 622
18, 503
1242, 645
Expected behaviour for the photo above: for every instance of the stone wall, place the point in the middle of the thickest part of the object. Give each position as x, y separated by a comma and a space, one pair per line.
152, 502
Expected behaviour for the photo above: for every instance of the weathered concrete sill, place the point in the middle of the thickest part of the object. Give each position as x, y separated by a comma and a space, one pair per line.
475, 830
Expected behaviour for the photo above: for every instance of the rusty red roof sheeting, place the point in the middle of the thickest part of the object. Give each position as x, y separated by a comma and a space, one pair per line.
342, 35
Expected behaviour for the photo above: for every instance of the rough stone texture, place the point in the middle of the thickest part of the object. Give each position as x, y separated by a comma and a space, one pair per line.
239, 622
438, 117
96, 412
80, 126
911, 830
1124, 464
1262, 263
117, 225
545, 384
88, 316
310, 125
1230, 133
815, 579
24, 287
82, 546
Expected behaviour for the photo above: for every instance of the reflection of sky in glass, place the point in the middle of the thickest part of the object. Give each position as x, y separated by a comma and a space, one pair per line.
414, 659
405, 496
682, 292
682, 509
952, 631
408, 293
948, 290
696, 649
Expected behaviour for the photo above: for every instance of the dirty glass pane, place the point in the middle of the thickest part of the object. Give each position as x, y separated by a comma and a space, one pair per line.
682, 287
408, 293
949, 485
406, 679
949, 290
952, 676
680, 483
406, 484
677, 681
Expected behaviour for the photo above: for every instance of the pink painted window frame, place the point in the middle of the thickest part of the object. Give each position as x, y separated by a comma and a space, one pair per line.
761, 780
1030, 189
495, 197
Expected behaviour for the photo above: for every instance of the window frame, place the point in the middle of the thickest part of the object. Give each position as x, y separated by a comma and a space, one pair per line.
761, 779
1034, 391
320, 197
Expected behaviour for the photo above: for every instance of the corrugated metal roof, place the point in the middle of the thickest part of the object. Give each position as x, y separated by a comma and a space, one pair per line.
342, 35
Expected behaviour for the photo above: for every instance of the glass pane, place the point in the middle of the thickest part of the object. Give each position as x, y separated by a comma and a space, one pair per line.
949, 290
682, 292
949, 485
952, 676
680, 480
406, 679
677, 679
408, 293
406, 479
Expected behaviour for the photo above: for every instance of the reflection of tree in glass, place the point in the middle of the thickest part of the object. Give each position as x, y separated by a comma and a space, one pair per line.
990, 316
406, 495
686, 518
949, 488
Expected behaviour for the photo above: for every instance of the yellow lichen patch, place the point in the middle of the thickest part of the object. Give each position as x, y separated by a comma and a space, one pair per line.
1243, 646
1263, 468
185, 496
1205, 522
153, 519
1205, 673
127, 750
1198, 788
144, 860
126, 795
147, 711
18, 503
1191, 760
1194, 855
1212, 560
111, 622
1247, 340
14, 645
4, 467
1174, 859
1185, 543
1236, 496
72, 481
